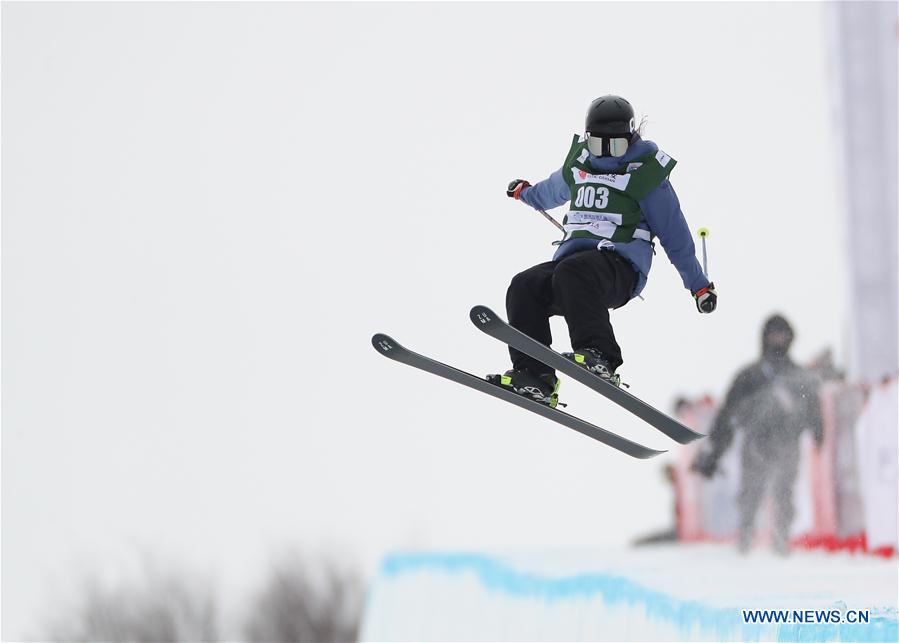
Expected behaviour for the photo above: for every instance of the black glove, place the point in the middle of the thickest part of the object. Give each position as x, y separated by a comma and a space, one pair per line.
706, 299
705, 464
515, 188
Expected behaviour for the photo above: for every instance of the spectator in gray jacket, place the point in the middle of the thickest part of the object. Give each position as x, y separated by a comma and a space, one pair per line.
771, 401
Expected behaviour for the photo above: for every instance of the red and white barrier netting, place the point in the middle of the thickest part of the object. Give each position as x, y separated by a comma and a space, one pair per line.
846, 494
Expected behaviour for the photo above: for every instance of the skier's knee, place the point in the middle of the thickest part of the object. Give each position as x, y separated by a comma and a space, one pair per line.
520, 283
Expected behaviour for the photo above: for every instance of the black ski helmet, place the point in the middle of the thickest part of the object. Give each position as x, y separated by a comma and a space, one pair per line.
610, 116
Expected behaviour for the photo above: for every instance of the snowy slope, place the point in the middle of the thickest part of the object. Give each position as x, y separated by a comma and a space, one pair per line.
662, 593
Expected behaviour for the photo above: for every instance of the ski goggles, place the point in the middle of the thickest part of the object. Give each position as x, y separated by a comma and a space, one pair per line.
607, 146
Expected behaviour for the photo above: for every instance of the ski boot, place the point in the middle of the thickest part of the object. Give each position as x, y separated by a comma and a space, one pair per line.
542, 388
593, 361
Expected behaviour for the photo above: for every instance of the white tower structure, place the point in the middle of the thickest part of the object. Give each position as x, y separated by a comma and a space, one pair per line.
863, 42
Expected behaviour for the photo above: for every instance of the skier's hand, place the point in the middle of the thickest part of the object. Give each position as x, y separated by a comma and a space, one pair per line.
705, 464
515, 188
706, 299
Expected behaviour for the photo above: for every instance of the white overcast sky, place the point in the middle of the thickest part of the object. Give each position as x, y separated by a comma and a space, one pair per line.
208, 209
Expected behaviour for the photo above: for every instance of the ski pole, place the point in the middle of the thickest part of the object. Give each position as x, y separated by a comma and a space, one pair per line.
555, 223
551, 220
703, 233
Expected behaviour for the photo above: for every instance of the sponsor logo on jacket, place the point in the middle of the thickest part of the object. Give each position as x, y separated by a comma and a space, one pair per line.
617, 181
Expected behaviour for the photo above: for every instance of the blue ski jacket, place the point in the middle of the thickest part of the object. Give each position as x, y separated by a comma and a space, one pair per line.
662, 216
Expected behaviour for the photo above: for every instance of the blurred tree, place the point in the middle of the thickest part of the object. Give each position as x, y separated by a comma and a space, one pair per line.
159, 608
305, 602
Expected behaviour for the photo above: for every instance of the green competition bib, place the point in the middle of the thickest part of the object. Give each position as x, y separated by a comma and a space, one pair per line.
607, 206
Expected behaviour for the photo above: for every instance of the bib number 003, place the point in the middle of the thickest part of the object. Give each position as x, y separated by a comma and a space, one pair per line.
591, 197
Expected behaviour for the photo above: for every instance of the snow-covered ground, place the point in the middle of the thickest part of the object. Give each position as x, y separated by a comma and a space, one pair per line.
676, 592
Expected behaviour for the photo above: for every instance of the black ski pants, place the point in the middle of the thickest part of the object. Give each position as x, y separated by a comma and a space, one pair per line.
582, 287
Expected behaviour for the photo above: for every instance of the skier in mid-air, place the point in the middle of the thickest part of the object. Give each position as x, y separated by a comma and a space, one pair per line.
621, 199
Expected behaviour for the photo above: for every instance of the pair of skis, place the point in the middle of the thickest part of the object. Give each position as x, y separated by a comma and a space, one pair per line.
489, 322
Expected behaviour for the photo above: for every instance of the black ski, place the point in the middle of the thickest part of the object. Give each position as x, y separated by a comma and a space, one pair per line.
389, 347
490, 323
